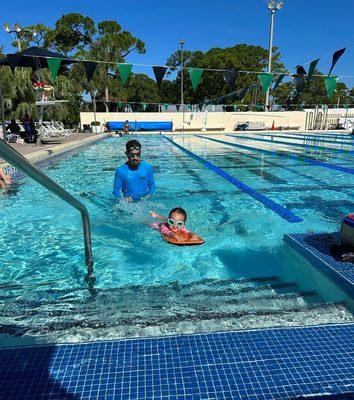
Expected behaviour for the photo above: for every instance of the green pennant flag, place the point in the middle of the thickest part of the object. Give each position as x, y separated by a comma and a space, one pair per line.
166, 106
54, 65
312, 68
124, 71
331, 83
346, 106
195, 74
265, 79
278, 81
144, 105
120, 105
235, 107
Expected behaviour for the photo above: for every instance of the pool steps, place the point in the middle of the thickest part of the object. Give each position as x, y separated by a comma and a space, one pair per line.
138, 311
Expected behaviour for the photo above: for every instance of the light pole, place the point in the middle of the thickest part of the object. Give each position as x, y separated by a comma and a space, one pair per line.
273, 6
182, 42
19, 32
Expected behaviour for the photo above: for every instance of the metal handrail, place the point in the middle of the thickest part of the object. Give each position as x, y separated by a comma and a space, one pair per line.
15, 158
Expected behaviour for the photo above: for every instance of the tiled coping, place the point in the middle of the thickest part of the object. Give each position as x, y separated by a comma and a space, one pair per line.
316, 249
259, 364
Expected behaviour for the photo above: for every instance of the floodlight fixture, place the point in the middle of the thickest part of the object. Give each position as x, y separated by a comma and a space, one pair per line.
271, 4
17, 27
279, 6
7, 27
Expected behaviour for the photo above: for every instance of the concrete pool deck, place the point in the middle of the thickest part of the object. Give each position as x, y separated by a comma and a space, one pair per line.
35, 153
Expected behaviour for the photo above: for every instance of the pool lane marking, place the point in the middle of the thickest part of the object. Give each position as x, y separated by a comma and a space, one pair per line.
304, 138
289, 155
293, 144
266, 201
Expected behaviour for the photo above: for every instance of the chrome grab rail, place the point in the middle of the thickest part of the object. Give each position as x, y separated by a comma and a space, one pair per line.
15, 158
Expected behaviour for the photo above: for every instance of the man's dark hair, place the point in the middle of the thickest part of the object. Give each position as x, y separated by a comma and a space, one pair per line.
179, 210
132, 143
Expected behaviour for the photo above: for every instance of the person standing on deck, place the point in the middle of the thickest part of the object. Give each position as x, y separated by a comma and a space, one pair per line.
134, 180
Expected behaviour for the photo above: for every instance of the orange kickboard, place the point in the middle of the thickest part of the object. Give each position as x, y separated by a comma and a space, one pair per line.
184, 241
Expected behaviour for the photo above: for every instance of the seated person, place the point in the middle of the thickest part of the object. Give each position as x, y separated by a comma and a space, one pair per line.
5, 180
126, 127
13, 127
345, 250
173, 226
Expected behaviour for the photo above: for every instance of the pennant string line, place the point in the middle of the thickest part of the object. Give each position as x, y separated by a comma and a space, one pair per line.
186, 68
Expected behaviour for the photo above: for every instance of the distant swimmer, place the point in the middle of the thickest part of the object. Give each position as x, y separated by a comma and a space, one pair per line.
134, 180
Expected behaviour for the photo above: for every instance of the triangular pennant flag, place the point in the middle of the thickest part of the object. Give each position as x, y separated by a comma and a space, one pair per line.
312, 68
165, 106
159, 73
346, 106
336, 55
300, 70
143, 105
230, 77
331, 83
235, 107
278, 80
90, 68
299, 82
195, 74
124, 71
54, 65
12, 60
177, 107
265, 79
120, 105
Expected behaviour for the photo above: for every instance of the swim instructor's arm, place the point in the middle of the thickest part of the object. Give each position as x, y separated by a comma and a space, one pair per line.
117, 184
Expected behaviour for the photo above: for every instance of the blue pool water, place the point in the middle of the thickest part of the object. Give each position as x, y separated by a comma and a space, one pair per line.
243, 277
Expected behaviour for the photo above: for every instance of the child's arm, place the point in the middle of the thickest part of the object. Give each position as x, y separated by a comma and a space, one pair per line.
158, 216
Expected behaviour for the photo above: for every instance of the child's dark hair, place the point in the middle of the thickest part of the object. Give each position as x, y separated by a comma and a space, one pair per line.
179, 210
132, 143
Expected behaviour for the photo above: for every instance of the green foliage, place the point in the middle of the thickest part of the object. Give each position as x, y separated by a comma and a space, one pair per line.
314, 93
73, 32
242, 57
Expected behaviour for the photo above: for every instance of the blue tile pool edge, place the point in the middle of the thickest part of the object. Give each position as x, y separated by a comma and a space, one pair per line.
332, 269
277, 363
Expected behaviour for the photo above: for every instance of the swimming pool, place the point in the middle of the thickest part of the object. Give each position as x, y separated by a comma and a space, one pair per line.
243, 277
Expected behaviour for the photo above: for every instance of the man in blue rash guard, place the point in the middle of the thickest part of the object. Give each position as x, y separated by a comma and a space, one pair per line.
134, 180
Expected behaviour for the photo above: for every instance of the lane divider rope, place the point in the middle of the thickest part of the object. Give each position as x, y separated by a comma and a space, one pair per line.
272, 205
305, 138
289, 155
293, 144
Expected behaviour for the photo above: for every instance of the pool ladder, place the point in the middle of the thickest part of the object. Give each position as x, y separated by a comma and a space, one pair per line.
16, 159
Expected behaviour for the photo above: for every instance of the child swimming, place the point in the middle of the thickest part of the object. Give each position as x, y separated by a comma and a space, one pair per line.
173, 226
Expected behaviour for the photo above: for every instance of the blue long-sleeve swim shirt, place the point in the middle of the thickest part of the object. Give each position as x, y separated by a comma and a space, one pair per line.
134, 183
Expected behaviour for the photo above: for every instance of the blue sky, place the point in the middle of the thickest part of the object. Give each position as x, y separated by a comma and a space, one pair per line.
304, 29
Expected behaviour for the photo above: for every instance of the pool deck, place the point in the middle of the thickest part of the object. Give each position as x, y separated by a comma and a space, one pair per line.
265, 364
36, 153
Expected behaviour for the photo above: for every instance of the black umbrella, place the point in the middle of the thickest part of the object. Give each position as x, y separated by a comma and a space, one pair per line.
34, 57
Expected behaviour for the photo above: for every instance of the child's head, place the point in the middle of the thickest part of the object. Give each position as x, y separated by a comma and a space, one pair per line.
177, 219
